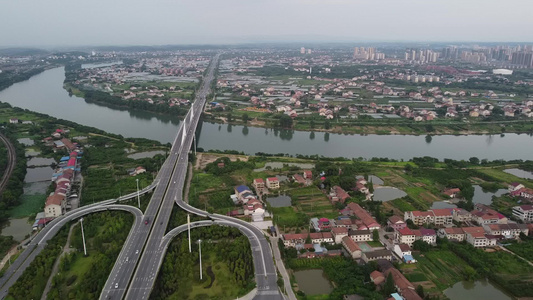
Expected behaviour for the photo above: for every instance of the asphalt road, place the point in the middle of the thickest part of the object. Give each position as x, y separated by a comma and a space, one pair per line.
168, 190
38, 243
148, 267
11, 160
144, 279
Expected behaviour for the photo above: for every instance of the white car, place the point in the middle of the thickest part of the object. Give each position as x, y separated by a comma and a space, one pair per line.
136, 251
116, 285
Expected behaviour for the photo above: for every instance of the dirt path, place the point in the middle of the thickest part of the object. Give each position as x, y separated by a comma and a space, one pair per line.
55, 268
507, 250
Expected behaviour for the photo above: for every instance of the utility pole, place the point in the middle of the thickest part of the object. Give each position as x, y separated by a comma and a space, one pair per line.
83, 238
138, 195
200, 254
189, 228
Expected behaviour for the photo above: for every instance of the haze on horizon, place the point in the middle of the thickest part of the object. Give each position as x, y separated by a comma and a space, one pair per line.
51, 23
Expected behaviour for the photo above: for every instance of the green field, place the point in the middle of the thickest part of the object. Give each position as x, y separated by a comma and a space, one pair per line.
30, 205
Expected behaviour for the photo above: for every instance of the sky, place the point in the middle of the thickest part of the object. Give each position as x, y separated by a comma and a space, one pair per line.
52, 23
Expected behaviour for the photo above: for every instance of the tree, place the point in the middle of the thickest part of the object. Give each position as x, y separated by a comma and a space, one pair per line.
375, 235
421, 246
371, 187
327, 124
389, 288
312, 124
474, 160
420, 291
245, 118
229, 117
285, 121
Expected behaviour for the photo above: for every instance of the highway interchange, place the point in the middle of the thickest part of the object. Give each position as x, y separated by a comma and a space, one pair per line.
136, 268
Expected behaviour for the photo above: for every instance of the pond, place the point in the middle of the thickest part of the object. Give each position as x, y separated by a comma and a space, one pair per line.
280, 201
18, 228
26, 141
38, 174
520, 173
442, 204
480, 289
40, 161
279, 165
485, 197
375, 180
388, 193
147, 154
313, 282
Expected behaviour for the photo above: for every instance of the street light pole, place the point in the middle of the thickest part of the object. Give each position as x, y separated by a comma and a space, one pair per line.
200, 254
138, 195
83, 238
189, 229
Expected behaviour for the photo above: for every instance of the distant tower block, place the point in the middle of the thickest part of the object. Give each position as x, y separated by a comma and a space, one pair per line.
302, 50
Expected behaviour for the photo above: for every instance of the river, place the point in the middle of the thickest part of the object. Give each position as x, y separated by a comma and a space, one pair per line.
44, 93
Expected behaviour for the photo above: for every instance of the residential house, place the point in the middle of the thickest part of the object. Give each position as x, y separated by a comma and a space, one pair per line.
351, 247
420, 218
272, 183
259, 183
404, 236
377, 277
308, 175
427, 235
320, 224
13, 121
396, 223
508, 231
376, 254
298, 178
337, 194
402, 285
452, 193
515, 186
241, 191
291, 240
366, 220
360, 235
476, 237
443, 216
338, 233
523, 212
55, 206
483, 214
461, 215
404, 252
452, 233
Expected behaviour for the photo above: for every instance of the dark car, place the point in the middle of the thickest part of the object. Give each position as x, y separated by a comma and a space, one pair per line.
146, 221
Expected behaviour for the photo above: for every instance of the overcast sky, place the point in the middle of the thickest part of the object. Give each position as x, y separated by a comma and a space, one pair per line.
156, 22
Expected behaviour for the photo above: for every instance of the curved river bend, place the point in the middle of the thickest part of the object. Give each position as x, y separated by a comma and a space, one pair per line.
44, 93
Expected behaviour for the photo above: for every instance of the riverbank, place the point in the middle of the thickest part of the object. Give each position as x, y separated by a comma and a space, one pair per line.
45, 91
389, 127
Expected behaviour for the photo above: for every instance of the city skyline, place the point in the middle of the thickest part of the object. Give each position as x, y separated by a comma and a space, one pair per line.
162, 22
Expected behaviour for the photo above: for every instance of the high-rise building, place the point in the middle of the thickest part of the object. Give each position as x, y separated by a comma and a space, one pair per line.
302, 50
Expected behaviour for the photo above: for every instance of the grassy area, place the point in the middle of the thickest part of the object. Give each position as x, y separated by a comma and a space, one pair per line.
500, 175
523, 249
82, 276
436, 270
220, 286
30, 205
374, 244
